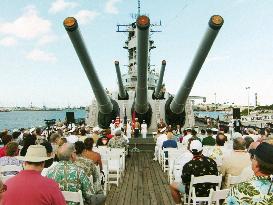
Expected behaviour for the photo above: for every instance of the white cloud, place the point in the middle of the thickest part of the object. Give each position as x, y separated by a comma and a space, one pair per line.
27, 26
60, 5
85, 16
39, 55
110, 6
8, 41
46, 39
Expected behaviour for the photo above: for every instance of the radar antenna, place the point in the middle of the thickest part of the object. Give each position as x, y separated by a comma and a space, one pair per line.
138, 8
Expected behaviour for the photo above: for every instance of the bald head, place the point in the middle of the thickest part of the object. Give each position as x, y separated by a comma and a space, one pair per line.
239, 144
65, 152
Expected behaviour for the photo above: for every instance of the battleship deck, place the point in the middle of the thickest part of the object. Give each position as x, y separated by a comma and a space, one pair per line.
144, 183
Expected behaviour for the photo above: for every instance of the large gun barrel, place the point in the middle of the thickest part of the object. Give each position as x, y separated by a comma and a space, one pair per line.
178, 103
122, 92
160, 80
141, 103
104, 102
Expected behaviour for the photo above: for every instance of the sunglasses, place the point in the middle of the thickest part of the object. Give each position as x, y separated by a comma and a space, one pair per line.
252, 156
3, 189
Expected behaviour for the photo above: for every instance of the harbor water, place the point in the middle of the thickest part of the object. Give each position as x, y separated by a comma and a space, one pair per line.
27, 119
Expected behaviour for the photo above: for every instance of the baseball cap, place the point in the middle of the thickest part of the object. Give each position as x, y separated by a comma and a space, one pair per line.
263, 151
196, 146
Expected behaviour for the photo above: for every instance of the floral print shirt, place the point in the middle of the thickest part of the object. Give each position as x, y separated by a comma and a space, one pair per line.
199, 166
253, 192
70, 177
117, 142
90, 169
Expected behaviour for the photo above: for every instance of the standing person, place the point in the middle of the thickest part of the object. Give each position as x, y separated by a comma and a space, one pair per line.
112, 127
29, 187
230, 128
137, 128
128, 129
160, 125
237, 125
178, 130
144, 129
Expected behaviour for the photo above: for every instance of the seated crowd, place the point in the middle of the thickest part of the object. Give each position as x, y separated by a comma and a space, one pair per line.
214, 152
63, 160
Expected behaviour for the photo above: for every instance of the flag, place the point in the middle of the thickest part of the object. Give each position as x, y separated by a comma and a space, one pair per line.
134, 119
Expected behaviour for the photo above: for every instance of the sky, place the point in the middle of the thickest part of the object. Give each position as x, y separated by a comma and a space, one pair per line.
38, 63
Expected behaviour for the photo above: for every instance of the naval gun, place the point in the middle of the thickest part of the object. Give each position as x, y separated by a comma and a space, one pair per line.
141, 89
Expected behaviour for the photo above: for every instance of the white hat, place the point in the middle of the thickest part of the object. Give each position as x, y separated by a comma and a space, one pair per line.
196, 145
72, 139
214, 130
35, 153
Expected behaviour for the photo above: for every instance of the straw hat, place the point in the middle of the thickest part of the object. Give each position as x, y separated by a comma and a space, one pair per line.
35, 153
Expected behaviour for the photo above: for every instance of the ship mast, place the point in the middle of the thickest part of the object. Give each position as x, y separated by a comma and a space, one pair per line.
130, 78
138, 7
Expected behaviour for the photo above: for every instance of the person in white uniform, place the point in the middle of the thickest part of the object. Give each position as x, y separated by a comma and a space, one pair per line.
128, 129
144, 129
112, 127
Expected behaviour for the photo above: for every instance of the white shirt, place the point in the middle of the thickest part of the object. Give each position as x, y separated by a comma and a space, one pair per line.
144, 128
112, 127
45, 170
186, 139
179, 164
161, 138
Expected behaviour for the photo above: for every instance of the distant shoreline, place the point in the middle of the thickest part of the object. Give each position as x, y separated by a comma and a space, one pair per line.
41, 110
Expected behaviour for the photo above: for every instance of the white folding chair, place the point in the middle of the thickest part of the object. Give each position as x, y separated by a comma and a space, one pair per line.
165, 163
122, 153
173, 155
200, 180
232, 180
114, 167
216, 196
106, 175
73, 196
10, 168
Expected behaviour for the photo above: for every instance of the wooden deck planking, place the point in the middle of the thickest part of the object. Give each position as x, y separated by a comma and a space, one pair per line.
144, 183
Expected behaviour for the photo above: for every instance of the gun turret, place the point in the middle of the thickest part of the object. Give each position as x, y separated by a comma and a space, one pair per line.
122, 93
160, 80
108, 109
175, 106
